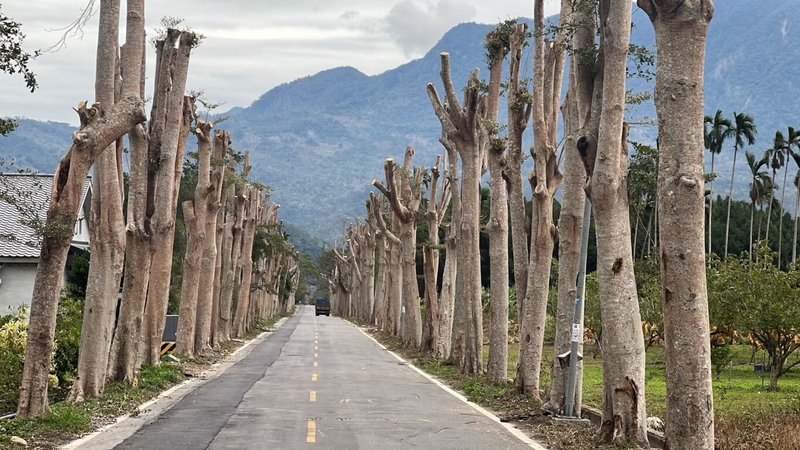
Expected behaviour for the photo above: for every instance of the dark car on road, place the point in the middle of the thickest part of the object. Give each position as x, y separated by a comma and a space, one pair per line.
322, 306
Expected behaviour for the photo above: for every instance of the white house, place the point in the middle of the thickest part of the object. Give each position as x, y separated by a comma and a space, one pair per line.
24, 198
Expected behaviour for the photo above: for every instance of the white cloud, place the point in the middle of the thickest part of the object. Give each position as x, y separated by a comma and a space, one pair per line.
416, 26
250, 46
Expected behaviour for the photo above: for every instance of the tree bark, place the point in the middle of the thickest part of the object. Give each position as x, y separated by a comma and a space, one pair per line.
437, 205
107, 229
168, 148
94, 137
463, 127
497, 367
576, 120
681, 39
207, 286
519, 112
548, 68
127, 344
448, 337
194, 212
624, 414
404, 196
240, 319
570, 231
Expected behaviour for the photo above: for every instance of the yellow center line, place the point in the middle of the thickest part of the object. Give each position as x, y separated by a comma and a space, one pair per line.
313, 377
312, 396
311, 436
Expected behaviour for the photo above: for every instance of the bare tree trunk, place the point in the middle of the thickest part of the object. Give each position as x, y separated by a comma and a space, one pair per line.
107, 229
207, 287
446, 337
497, 367
405, 196
370, 244
624, 414
142, 215
240, 321
167, 148
549, 69
570, 230
380, 310
94, 137
463, 128
220, 240
519, 112
576, 119
681, 40
437, 205
194, 213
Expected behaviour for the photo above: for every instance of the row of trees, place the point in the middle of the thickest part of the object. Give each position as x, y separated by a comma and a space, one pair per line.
785, 148
237, 260
375, 277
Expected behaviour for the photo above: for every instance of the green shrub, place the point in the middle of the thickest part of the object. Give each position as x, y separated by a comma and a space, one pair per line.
68, 338
13, 337
721, 357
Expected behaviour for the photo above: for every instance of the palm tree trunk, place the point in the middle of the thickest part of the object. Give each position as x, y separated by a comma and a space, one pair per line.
730, 199
710, 201
752, 213
780, 216
794, 241
769, 209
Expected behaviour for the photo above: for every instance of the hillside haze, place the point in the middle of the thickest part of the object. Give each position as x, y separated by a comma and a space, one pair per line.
319, 141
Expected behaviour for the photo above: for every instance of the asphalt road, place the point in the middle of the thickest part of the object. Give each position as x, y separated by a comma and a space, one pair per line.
320, 382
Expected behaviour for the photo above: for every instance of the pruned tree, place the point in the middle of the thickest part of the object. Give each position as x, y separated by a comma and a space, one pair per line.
681, 31
603, 150
447, 296
497, 45
380, 309
107, 227
234, 228
549, 59
254, 204
463, 129
194, 214
393, 271
405, 196
150, 201
437, 203
101, 125
169, 134
574, 206
519, 112
208, 261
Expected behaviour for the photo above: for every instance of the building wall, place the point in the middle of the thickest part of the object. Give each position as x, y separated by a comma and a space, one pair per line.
16, 286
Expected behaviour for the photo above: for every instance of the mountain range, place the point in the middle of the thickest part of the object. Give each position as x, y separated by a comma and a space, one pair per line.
318, 141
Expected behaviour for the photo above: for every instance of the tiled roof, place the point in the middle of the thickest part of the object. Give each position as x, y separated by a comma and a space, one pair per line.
32, 194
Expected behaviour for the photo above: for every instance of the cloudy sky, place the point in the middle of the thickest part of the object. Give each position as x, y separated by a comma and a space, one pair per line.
250, 47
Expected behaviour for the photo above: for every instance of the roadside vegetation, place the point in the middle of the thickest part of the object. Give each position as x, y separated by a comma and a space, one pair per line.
67, 421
